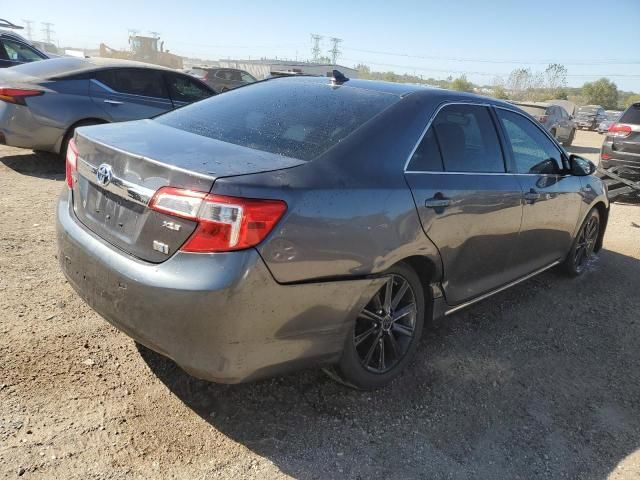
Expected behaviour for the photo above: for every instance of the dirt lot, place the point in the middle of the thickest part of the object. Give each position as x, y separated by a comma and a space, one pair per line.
543, 381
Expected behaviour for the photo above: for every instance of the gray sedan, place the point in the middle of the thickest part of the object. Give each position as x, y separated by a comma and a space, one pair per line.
42, 103
316, 221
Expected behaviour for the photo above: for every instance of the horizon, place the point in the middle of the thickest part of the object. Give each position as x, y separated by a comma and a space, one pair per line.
383, 38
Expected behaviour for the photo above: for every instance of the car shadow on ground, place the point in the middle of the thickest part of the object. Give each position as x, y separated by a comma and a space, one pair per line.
35, 164
541, 381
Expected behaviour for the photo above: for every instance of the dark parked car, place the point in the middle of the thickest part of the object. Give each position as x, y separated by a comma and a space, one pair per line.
222, 79
306, 221
611, 117
552, 117
589, 116
14, 48
42, 103
621, 146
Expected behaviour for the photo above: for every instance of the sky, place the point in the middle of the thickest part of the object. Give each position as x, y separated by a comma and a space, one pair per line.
482, 39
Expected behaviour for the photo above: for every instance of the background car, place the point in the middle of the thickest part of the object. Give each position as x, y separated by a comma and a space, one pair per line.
552, 117
611, 117
42, 103
14, 48
222, 79
316, 221
621, 146
589, 117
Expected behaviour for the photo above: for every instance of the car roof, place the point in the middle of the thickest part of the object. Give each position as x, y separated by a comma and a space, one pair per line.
64, 66
400, 89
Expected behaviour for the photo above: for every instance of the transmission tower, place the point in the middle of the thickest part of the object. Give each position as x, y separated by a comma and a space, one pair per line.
315, 48
46, 29
335, 51
28, 27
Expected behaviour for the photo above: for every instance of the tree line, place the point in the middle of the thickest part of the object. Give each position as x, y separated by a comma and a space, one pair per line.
524, 84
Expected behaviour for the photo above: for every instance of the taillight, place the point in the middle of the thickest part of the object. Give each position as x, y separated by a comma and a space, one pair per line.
71, 164
619, 130
17, 95
543, 118
224, 223
605, 156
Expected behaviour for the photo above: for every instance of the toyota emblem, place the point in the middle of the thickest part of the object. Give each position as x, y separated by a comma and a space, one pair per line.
104, 174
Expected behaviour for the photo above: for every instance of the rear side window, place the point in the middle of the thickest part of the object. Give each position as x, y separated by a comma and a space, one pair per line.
19, 52
532, 151
631, 115
298, 119
468, 140
427, 157
148, 83
183, 89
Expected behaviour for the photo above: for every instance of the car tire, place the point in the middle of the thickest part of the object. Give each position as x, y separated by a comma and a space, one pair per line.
69, 135
583, 245
569, 141
384, 337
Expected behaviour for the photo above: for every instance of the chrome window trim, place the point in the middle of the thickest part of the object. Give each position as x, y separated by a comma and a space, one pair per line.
481, 104
119, 186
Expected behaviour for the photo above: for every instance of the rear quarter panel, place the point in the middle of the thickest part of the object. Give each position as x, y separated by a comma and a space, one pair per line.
350, 212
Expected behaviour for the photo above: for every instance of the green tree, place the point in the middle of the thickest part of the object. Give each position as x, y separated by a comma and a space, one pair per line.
555, 79
601, 92
461, 84
499, 92
631, 99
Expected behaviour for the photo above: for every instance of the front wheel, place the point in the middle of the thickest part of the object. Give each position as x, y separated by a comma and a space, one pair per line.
584, 245
386, 332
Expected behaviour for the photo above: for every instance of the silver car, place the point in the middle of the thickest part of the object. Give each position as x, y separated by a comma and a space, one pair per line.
42, 103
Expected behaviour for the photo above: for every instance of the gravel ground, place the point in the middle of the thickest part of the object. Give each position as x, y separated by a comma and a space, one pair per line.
542, 381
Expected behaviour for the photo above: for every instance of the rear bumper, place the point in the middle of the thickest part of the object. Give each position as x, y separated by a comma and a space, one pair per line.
21, 129
627, 165
221, 317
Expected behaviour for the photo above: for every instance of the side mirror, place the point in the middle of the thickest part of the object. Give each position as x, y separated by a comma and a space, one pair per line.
581, 167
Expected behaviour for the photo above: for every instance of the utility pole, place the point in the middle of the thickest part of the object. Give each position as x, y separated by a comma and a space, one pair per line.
335, 51
46, 29
315, 48
28, 27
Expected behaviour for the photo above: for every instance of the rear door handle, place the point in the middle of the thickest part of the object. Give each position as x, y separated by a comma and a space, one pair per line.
113, 102
437, 202
531, 196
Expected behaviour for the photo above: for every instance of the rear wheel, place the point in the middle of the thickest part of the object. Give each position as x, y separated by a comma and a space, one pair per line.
386, 333
584, 245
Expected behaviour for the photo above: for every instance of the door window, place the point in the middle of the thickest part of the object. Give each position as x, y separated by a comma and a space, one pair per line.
532, 150
184, 89
18, 52
246, 77
144, 82
467, 139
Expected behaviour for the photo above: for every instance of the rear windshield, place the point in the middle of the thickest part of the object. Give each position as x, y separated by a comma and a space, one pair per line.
588, 110
631, 114
298, 119
533, 111
51, 68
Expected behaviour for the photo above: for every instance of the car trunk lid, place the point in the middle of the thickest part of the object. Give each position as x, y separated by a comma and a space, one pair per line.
121, 166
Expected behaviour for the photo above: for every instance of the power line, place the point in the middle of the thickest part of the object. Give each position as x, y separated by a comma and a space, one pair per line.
28, 27
468, 72
484, 60
315, 48
335, 51
46, 29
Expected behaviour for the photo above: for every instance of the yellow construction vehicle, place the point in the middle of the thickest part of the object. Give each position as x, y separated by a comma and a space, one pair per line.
144, 49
